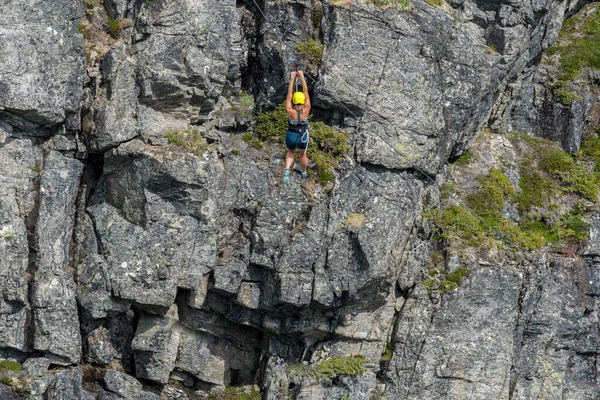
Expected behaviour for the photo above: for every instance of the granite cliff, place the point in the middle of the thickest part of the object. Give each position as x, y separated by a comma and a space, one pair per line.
149, 250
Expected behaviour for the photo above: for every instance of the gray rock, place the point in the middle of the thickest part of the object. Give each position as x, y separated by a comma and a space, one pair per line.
53, 297
156, 223
214, 360
41, 62
20, 163
100, 349
530, 107
124, 386
115, 109
458, 354
67, 385
155, 346
202, 42
36, 367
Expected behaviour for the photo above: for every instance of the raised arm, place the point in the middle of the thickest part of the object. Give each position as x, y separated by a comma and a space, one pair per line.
305, 90
288, 100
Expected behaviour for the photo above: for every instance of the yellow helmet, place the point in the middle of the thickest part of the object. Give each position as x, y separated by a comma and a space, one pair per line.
298, 98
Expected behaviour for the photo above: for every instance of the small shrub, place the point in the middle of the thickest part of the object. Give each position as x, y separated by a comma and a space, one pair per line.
337, 366
578, 45
388, 353
488, 201
464, 159
317, 18
450, 282
7, 365
235, 393
272, 125
114, 28
311, 50
257, 144
189, 139
456, 223
247, 137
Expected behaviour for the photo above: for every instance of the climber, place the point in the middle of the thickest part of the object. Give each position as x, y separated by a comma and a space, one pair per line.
297, 134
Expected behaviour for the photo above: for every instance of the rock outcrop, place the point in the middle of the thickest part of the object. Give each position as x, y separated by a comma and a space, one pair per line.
148, 245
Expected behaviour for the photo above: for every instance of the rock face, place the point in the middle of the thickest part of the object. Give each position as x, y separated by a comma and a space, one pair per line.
42, 66
142, 237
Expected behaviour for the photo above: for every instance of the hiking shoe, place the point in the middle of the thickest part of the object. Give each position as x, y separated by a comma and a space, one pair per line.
286, 176
303, 175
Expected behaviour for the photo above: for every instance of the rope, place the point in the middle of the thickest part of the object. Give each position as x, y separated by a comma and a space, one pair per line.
261, 11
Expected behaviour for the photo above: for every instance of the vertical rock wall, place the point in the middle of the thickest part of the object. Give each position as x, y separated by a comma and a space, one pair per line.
126, 256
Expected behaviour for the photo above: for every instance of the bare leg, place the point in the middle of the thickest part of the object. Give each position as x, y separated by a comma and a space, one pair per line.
289, 159
303, 160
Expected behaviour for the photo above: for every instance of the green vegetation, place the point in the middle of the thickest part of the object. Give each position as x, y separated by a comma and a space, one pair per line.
189, 139
330, 368
6, 365
114, 28
311, 50
401, 4
464, 159
578, 44
388, 353
577, 48
235, 152
326, 146
257, 144
434, 3
488, 201
272, 125
449, 282
81, 29
235, 393
547, 175
337, 366
247, 137
5, 380
317, 18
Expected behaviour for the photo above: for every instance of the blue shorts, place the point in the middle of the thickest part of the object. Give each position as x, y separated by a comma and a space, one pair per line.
293, 141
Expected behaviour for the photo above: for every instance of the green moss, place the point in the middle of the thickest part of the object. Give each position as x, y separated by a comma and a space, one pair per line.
189, 139
247, 137
5, 380
317, 18
434, 3
114, 28
447, 189
235, 152
571, 227
311, 50
7, 365
235, 393
272, 125
456, 223
401, 4
578, 45
257, 144
488, 201
299, 370
464, 159
451, 281
536, 188
337, 366
326, 147
388, 353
